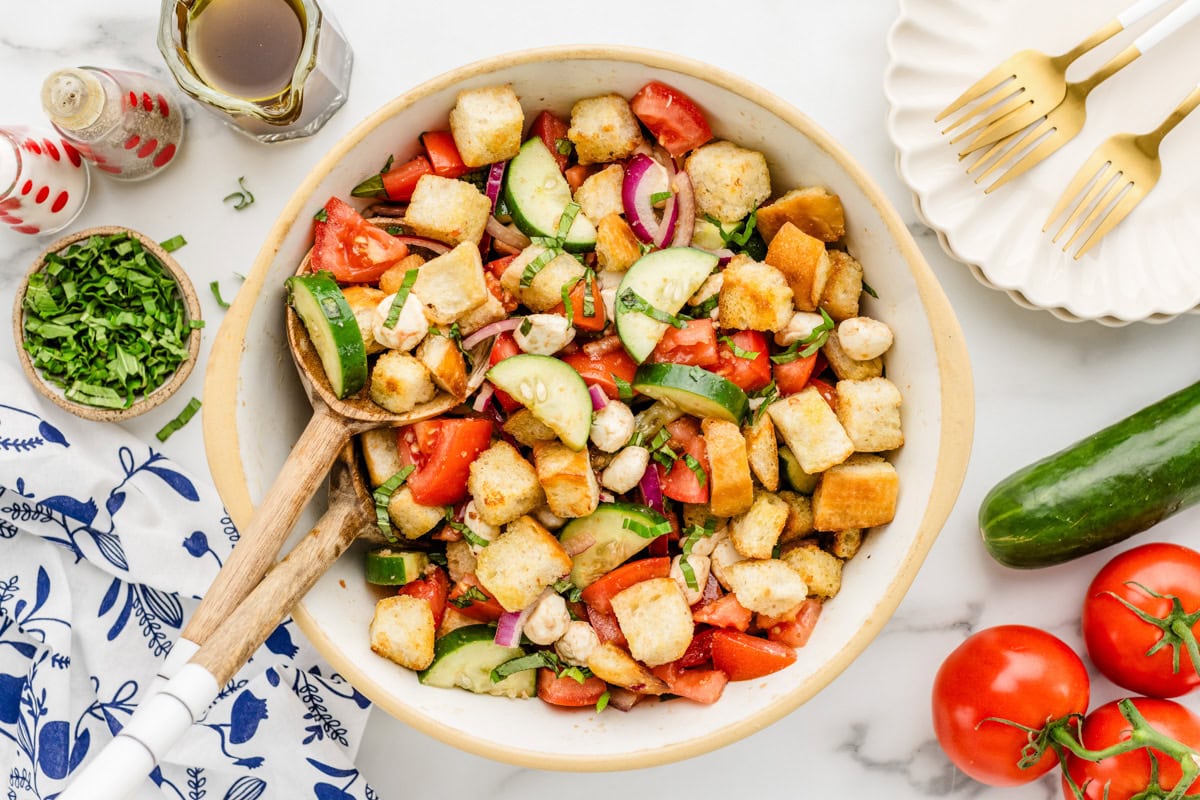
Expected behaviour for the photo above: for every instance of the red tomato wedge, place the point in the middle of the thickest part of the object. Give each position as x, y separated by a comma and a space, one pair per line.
792, 377
551, 130
599, 595
695, 344
399, 182
795, 632
504, 347
434, 587
354, 250
724, 612
673, 117
826, 390
567, 691
443, 154
486, 610
606, 626
744, 657
583, 322
699, 652
681, 483
700, 685
577, 174
750, 374
600, 371
442, 450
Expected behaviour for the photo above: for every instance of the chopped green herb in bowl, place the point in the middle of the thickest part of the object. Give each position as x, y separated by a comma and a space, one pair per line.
107, 323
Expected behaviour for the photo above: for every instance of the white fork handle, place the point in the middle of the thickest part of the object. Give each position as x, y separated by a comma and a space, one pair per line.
1167, 25
122, 766
1139, 11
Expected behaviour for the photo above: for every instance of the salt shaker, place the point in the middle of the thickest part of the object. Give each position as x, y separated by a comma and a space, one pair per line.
125, 123
43, 180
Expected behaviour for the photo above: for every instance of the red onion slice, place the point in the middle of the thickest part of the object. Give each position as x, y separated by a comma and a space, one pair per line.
487, 331
495, 180
509, 236
599, 398
636, 190
651, 488
428, 244
510, 624
623, 699
485, 394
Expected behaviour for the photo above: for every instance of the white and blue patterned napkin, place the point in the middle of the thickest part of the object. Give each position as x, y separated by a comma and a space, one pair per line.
105, 545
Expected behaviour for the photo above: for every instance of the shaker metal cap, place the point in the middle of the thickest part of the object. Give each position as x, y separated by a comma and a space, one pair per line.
73, 98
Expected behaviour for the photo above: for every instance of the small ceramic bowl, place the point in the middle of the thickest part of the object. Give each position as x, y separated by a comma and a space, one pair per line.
146, 402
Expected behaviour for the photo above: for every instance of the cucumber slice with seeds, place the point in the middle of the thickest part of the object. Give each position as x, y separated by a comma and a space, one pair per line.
536, 194
318, 301
552, 391
694, 390
612, 543
665, 279
465, 658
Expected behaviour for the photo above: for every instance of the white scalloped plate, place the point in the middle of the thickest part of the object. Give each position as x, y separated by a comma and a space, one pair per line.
1148, 268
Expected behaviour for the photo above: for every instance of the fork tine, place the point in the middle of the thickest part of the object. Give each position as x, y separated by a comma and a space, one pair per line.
1022, 141
1092, 168
1048, 144
1001, 126
983, 159
1118, 213
987, 83
1112, 191
1012, 103
1088, 205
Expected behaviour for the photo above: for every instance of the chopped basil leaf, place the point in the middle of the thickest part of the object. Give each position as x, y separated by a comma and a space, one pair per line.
645, 247
564, 146
469, 598
184, 417
173, 244
477, 178
646, 531
624, 388
689, 574
410, 277
568, 306
526, 326
215, 286
632, 301
383, 495
577, 674
749, 355
602, 701
542, 658
534, 267
659, 197
769, 394
564, 222
395, 230
467, 533
589, 289
808, 345
564, 586
776, 551
740, 234
321, 216
438, 558
694, 465
706, 308
387, 164
241, 199
867, 288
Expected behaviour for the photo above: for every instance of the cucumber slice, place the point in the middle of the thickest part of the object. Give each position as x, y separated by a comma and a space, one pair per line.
321, 306
613, 544
465, 658
795, 475
536, 193
695, 390
552, 391
665, 279
388, 567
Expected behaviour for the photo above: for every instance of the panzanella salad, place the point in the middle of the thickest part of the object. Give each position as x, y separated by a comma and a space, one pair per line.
677, 444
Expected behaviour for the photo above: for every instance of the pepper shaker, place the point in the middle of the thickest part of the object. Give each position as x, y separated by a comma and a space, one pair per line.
126, 123
43, 180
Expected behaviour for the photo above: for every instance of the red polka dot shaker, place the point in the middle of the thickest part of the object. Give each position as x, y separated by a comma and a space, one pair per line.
43, 180
126, 123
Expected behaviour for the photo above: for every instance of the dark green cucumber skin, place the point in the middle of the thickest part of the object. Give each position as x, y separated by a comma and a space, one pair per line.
1099, 491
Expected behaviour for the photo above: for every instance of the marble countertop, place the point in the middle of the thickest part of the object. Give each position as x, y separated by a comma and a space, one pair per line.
1040, 383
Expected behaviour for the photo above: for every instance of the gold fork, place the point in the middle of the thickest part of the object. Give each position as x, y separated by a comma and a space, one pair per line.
1027, 148
1028, 84
1122, 171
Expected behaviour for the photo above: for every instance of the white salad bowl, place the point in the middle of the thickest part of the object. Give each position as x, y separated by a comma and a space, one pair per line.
255, 408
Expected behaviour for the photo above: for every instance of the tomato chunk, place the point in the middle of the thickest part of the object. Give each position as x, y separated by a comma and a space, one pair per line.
750, 374
744, 657
681, 483
796, 630
699, 651
551, 130
793, 376
673, 117
577, 174
399, 182
724, 612
504, 347
602, 371
567, 691
606, 626
580, 320
487, 609
599, 594
354, 250
445, 449
443, 154
434, 588
700, 685
695, 344
827, 391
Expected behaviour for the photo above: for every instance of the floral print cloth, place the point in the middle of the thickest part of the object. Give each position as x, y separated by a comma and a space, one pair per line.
105, 547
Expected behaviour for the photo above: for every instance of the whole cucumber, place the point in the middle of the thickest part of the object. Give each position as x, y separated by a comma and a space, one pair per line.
1099, 491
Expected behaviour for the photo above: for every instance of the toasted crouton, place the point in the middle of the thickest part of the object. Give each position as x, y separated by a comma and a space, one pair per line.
729, 181
521, 562
452, 284
400, 382
870, 413
528, 429
820, 570
843, 544
503, 484
730, 485
813, 210
448, 210
763, 451
656, 620
722, 556
860, 493
847, 368
380, 453
603, 129
391, 281
804, 262
544, 291
600, 194
487, 124
800, 518
755, 533
491, 310
754, 297
844, 287
700, 514
811, 430
612, 664
567, 479
402, 630
452, 620
460, 559
766, 586
445, 363
362, 301
412, 519
617, 246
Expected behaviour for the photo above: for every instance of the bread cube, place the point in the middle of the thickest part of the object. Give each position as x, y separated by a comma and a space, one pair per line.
449, 210
617, 246
603, 129
800, 517
804, 262
755, 533
503, 484
460, 559
722, 556
729, 181
452, 620
452, 284
412, 519
381, 454
544, 292
567, 479
528, 429
844, 287
612, 664
362, 301
763, 451
754, 296
870, 414
600, 194
766, 586
860, 493
491, 310
656, 620
520, 563
843, 544
847, 368
400, 382
811, 430
731, 488
402, 631
487, 125
391, 281
445, 362
820, 570
812, 209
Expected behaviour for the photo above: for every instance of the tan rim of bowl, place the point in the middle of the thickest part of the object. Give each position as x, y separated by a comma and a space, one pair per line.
157, 396
957, 400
